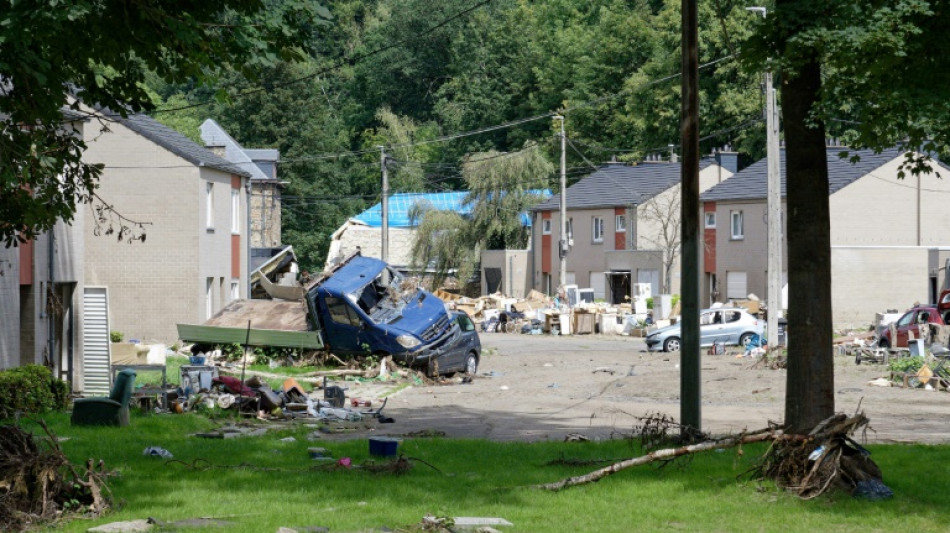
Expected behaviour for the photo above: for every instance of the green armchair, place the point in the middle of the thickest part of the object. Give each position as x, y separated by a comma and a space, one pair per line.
111, 411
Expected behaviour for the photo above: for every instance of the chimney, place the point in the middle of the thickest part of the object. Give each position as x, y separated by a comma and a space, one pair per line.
728, 159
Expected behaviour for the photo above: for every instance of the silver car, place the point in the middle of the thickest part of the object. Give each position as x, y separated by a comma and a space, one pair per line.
723, 325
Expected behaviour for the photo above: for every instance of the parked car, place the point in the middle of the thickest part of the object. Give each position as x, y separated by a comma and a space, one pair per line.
725, 325
462, 353
943, 306
910, 322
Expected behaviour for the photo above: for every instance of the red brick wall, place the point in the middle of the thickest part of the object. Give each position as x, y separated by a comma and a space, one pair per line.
709, 240
620, 238
545, 244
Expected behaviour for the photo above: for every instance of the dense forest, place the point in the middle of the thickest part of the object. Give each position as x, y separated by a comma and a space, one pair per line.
435, 82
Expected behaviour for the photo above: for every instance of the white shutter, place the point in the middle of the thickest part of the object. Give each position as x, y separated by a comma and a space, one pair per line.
598, 283
736, 285
96, 348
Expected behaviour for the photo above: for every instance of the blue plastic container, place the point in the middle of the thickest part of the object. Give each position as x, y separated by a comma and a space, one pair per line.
383, 446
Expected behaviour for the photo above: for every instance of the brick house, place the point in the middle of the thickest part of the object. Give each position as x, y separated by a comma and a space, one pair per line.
195, 257
890, 237
623, 227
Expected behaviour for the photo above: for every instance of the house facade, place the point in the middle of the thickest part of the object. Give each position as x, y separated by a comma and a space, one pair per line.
261, 164
623, 227
194, 258
890, 236
41, 296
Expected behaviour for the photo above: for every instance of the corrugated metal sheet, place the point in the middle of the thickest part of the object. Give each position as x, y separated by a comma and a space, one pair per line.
95, 344
258, 337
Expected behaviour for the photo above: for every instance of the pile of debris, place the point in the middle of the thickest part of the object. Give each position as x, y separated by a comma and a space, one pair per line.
38, 483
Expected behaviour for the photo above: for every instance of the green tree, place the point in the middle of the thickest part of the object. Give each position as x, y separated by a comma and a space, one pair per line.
501, 187
867, 69
100, 52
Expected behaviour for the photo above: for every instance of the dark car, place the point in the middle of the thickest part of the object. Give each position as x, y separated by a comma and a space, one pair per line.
910, 322
462, 353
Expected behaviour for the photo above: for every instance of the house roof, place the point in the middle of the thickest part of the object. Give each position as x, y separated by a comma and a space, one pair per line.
214, 135
401, 204
615, 185
176, 143
751, 183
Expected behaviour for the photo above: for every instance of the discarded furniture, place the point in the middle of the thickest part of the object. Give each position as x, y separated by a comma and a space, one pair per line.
111, 411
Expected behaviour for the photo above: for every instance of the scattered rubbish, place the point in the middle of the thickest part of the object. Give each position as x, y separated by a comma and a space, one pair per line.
575, 437
345, 462
604, 370
319, 453
872, 489
849, 389
288, 439
156, 451
881, 382
123, 527
503, 387
554, 386
474, 521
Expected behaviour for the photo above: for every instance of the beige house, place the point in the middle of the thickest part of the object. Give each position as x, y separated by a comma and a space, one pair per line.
890, 237
623, 228
194, 259
41, 296
261, 164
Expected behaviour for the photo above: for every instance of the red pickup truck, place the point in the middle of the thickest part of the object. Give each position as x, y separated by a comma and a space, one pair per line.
911, 321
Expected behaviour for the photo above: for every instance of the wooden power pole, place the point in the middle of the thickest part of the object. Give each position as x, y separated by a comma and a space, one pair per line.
690, 393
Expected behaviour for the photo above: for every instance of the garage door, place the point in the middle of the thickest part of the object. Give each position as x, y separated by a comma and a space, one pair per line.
597, 283
736, 285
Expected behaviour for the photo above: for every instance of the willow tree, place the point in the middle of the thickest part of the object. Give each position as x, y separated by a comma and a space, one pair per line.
502, 186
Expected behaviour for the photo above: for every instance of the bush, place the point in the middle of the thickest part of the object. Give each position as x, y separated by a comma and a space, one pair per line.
116, 336
31, 389
906, 364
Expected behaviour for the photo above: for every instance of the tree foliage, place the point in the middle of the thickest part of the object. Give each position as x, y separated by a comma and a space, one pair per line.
501, 187
100, 52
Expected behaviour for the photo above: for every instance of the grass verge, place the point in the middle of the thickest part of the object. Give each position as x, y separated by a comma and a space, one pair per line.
263, 483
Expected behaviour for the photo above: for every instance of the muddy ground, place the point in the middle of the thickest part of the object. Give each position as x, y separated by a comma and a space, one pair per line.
543, 387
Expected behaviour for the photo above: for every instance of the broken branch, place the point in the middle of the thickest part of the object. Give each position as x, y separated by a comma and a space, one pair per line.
658, 455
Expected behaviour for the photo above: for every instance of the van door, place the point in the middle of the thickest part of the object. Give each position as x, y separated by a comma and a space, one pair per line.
344, 326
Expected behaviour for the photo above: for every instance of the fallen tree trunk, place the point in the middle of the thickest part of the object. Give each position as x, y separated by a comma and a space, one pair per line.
659, 455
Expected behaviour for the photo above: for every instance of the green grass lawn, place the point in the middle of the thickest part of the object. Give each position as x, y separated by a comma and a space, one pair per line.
479, 478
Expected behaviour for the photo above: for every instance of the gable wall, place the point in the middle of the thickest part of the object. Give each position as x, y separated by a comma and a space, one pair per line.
155, 284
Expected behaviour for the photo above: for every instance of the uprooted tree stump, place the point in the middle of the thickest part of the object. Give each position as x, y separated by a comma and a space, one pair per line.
826, 458
38, 483
808, 465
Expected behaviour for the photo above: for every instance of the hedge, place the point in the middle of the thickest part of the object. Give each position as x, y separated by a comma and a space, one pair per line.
31, 389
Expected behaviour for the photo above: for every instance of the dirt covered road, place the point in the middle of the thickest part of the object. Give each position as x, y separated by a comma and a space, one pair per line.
543, 387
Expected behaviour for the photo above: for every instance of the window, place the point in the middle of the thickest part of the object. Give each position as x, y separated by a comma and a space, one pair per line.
737, 230
597, 225
209, 206
466, 323
546, 226
235, 290
209, 298
235, 211
711, 219
341, 312
621, 223
736, 285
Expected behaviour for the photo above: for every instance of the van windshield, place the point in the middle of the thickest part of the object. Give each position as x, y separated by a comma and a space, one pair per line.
383, 298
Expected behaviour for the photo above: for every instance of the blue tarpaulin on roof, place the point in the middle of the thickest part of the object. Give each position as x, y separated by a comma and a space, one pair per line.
400, 205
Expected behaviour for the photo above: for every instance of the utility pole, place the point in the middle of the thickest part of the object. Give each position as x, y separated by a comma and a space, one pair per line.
384, 248
690, 382
563, 244
774, 205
